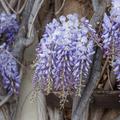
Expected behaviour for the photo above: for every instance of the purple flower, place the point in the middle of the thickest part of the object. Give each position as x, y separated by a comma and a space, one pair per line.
8, 27
64, 54
111, 36
9, 71
115, 11
8, 66
116, 65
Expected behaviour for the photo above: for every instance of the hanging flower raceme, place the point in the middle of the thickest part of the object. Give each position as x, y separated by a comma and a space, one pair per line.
8, 65
64, 55
111, 36
9, 71
8, 27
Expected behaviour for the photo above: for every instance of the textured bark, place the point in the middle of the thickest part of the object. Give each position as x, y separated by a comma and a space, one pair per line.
37, 109
41, 107
55, 114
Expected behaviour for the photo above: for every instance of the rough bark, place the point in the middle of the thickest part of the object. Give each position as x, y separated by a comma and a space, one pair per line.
55, 114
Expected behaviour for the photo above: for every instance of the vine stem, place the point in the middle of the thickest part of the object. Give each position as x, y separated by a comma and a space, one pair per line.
57, 12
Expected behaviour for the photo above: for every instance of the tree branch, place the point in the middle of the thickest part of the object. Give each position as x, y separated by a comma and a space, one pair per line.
94, 79
10, 7
41, 107
4, 99
99, 10
96, 68
95, 4
22, 8
99, 112
5, 6
13, 3
59, 10
17, 49
36, 7
21, 36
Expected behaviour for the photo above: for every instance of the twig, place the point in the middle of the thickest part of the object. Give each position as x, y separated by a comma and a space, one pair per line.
108, 72
10, 7
57, 12
15, 59
48, 18
104, 67
5, 6
96, 40
4, 112
22, 8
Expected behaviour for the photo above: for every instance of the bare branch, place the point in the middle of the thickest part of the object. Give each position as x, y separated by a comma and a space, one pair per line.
18, 5
36, 7
20, 38
10, 7
48, 18
57, 12
5, 6
22, 8
12, 4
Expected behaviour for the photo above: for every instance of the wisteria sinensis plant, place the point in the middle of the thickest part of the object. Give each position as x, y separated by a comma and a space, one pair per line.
8, 65
64, 55
111, 37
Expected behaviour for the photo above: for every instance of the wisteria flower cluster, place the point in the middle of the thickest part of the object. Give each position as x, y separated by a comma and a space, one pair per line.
111, 36
8, 65
115, 11
8, 27
9, 71
64, 54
